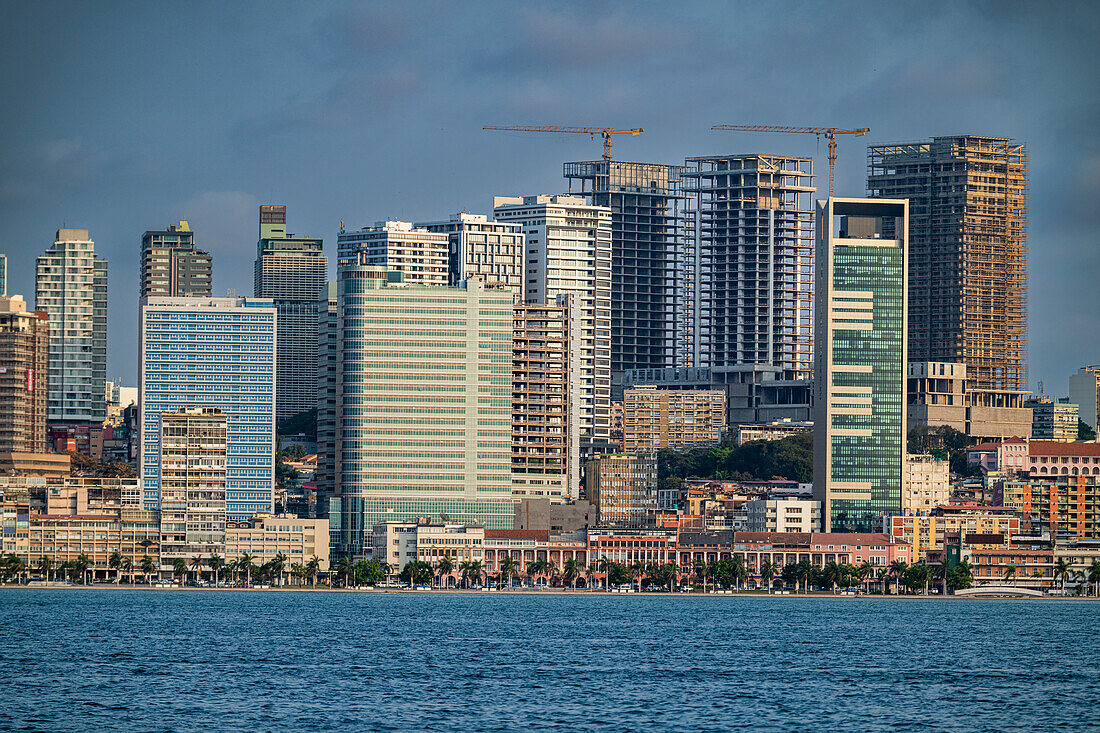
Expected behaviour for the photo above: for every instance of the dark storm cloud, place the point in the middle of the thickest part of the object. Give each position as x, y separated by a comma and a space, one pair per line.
127, 118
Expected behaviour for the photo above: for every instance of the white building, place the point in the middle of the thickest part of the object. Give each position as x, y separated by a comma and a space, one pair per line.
399, 543
569, 253
927, 484
478, 246
1084, 391
783, 515
71, 285
418, 254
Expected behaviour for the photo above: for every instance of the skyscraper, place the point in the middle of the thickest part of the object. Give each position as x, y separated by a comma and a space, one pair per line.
569, 253
420, 255
24, 346
212, 352
860, 361
492, 250
3, 274
755, 245
424, 404
328, 368
171, 265
968, 248
1084, 391
291, 271
647, 277
71, 286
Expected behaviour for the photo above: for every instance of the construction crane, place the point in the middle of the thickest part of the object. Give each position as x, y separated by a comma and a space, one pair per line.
604, 132
829, 132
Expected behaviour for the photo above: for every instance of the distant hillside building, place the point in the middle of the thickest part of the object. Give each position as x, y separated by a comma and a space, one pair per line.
656, 418
1052, 419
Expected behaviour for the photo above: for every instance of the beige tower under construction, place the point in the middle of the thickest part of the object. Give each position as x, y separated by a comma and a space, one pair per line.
968, 204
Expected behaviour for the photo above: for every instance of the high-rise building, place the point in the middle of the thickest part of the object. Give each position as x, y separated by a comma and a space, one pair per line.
651, 276
1084, 391
968, 206
71, 286
421, 256
569, 253
24, 346
1053, 419
672, 418
860, 362
328, 368
623, 487
545, 432
291, 271
193, 484
754, 227
171, 265
3, 274
423, 404
212, 352
492, 250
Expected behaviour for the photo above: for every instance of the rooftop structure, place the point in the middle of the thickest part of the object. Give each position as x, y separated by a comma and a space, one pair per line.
420, 255
171, 265
492, 250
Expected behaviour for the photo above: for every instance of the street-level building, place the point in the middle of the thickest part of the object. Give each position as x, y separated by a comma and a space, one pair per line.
783, 515
266, 536
925, 532
775, 430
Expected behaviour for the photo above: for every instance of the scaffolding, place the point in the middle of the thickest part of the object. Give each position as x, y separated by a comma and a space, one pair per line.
968, 251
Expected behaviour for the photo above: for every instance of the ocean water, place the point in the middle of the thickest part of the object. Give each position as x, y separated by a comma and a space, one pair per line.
140, 660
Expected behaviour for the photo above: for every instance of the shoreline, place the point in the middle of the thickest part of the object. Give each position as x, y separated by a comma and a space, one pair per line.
540, 592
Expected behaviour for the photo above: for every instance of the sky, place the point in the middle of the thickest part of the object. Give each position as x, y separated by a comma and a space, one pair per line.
121, 118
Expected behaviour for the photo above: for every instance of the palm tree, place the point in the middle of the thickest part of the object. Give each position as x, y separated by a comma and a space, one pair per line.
45, 564
345, 567
312, 568
215, 563
1010, 573
1094, 575
147, 567
179, 569
244, 562
509, 566
114, 562
897, 569
196, 565
446, 567
128, 568
767, 572
637, 570
277, 567
81, 565
604, 566
1062, 568
571, 570
831, 574
865, 571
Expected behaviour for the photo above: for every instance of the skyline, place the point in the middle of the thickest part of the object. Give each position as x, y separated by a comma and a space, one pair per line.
361, 114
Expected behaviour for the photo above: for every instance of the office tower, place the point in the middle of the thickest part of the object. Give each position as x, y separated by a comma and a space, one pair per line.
860, 362
212, 352
291, 271
193, 484
545, 433
968, 251
171, 265
569, 253
24, 349
623, 487
492, 250
71, 286
3, 274
328, 367
649, 260
424, 404
420, 255
672, 418
756, 261
1052, 419
1084, 391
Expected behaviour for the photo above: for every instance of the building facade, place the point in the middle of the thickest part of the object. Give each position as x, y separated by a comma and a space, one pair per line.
568, 246
420, 255
266, 536
545, 426
423, 404
24, 350
927, 484
212, 352
291, 271
968, 204
754, 227
623, 488
1084, 391
171, 265
783, 515
71, 286
476, 246
655, 418
859, 427
1052, 419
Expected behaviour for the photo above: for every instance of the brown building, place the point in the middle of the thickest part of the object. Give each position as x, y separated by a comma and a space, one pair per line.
623, 487
968, 205
24, 347
668, 418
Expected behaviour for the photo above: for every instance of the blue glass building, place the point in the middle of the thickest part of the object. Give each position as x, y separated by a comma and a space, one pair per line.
212, 352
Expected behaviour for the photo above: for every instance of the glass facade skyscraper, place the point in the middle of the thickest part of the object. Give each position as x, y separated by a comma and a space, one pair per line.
212, 352
423, 404
860, 360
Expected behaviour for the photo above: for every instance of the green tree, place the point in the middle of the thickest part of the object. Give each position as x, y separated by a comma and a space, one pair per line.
1084, 432
312, 567
1062, 568
509, 566
278, 565
897, 570
179, 569
445, 566
344, 569
45, 565
244, 565
1094, 575
81, 565
114, 562
1010, 573
128, 568
215, 563
147, 567
571, 572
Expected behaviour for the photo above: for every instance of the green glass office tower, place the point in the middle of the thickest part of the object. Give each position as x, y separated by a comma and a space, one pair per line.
423, 423
859, 360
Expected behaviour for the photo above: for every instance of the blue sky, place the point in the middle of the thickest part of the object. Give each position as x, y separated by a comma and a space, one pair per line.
126, 117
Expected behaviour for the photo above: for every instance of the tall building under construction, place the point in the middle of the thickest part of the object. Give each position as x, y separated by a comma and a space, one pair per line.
968, 204
755, 235
652, 262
